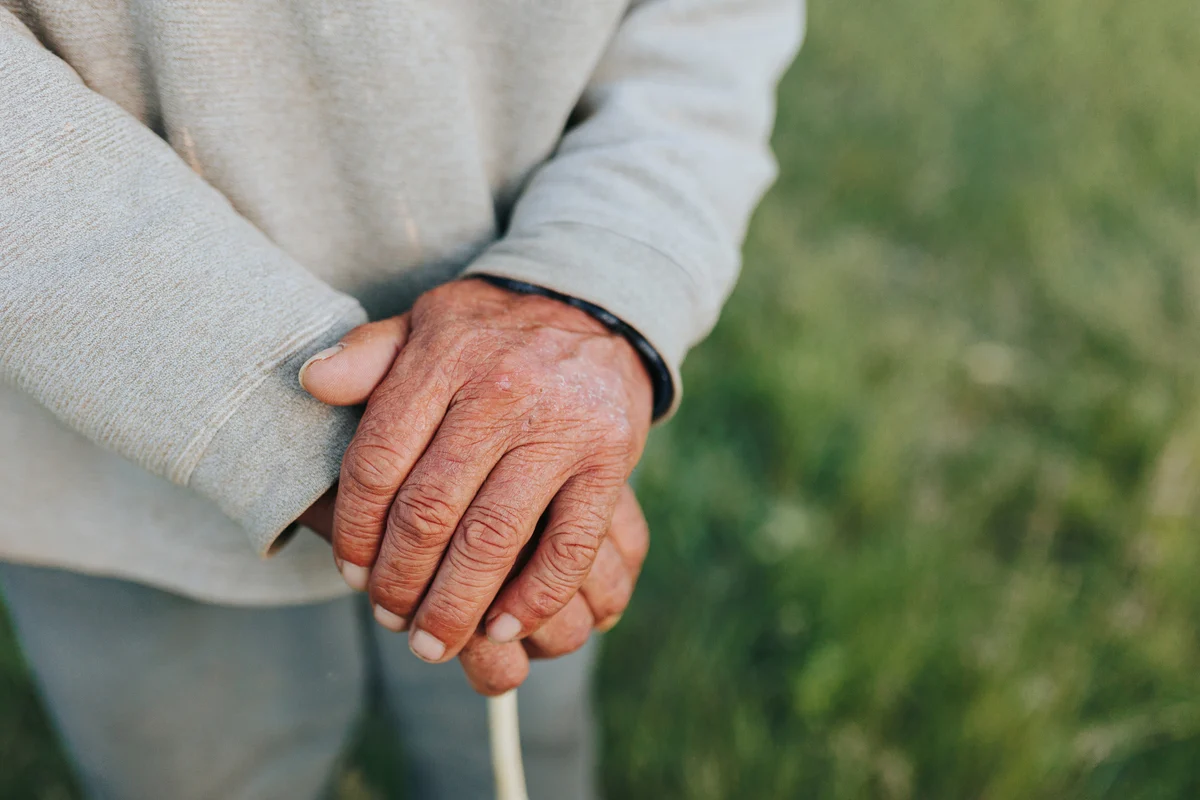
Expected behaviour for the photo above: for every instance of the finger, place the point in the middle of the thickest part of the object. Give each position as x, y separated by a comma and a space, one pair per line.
608, 587
426, 512
565, 632
493, 669
629, 530
480, 556
400, 421
347, 373
578, 520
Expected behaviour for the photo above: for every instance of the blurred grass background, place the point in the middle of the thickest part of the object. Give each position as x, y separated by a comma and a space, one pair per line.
926, 524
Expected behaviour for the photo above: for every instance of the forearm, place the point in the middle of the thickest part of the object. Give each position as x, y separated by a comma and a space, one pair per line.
144, 312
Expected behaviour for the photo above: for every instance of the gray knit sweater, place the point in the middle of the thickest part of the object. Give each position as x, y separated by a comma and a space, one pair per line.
196, 195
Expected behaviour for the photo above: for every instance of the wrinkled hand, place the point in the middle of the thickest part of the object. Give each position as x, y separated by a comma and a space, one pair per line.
497, 407
495, 668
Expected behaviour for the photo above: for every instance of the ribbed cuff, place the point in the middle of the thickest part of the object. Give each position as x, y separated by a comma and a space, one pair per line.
279, 451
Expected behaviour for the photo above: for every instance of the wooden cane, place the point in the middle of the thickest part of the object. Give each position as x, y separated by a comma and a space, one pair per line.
505, 733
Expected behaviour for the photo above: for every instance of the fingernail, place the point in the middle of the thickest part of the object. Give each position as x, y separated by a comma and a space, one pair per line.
504, 628
393, 622
426, 646
328, 352
608, 624
355, 576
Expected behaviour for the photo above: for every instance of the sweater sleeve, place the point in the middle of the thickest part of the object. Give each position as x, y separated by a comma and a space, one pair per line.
643, 209
145, 313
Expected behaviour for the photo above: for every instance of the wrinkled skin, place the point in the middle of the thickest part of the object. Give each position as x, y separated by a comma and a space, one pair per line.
495, 668
495, 410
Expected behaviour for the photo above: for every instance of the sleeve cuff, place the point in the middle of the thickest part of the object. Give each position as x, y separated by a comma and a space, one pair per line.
279, 451
634, 284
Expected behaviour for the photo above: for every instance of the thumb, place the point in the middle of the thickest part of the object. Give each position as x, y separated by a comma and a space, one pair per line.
347, 373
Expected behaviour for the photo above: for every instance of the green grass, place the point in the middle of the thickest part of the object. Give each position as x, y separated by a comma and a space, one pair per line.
925, 526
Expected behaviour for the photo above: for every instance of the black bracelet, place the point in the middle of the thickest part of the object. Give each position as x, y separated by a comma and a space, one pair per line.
660, 376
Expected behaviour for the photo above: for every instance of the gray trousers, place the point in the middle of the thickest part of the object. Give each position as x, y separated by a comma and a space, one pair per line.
157, 696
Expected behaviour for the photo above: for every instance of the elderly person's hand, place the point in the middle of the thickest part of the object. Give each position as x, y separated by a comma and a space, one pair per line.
495, 668
498, 407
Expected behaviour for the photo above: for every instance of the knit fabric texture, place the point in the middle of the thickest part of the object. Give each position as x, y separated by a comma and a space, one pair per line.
195, 196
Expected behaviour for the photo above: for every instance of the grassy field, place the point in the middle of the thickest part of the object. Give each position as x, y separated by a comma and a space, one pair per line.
926, 526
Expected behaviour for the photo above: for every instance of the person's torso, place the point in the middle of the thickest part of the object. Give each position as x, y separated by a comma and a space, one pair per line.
379, 142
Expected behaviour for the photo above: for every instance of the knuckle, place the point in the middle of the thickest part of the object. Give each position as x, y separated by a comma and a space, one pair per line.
470, 569
491, 534
373, 465
422, 510
572, 554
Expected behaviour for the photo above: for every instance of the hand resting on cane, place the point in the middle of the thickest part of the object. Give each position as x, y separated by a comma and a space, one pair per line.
540, 391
